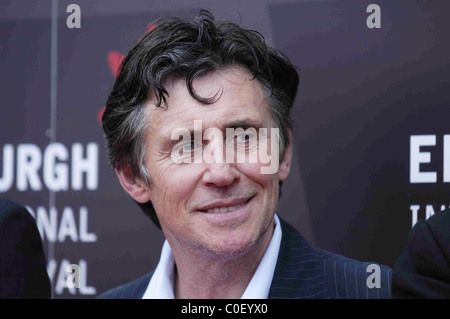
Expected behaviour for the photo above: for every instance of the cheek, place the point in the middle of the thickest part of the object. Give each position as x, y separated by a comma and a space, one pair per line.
253, 172
173, 186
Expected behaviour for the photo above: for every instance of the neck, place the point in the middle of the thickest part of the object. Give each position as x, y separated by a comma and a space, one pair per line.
199, 275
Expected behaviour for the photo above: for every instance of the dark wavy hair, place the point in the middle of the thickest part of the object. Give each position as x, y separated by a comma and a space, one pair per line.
189, 50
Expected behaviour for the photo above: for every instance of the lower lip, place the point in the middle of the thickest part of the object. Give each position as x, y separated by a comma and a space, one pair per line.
229, 216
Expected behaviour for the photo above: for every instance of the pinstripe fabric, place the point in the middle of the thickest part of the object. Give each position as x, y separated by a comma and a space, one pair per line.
302, 272
307, 272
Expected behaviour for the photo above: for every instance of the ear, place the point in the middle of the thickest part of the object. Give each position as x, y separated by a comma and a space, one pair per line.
136, 188
285, 164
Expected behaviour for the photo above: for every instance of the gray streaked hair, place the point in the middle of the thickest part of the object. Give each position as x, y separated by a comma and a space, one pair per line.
189, 50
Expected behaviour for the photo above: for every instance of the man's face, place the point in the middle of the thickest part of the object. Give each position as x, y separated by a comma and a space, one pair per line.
218, 208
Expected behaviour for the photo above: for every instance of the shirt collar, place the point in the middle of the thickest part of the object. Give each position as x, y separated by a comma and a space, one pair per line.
162, 281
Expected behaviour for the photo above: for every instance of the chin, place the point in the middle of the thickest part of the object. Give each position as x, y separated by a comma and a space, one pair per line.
232, 247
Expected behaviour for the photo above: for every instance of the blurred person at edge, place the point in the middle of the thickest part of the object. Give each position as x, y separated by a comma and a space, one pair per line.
23, 273
423, 268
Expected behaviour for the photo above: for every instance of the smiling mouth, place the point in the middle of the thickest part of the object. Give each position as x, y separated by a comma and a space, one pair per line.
225, 209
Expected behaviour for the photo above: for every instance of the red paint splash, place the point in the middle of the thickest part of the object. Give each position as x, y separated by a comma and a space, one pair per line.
115, 60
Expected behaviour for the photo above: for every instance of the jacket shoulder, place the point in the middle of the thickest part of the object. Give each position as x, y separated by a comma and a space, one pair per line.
423, 268
348, 278
10, 211
304, 271
131, 290
22, 259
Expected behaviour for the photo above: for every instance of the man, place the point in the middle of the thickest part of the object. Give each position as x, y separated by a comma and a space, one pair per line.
23, 273
227, 95
423, 269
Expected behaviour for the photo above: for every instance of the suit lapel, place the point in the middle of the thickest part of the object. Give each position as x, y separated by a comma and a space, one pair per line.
299, 272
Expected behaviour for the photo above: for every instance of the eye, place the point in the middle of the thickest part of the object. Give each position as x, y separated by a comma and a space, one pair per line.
243, 137
188, 147
184, 152
245, 140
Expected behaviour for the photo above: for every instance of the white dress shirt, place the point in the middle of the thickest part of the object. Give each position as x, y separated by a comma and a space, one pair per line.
162, 281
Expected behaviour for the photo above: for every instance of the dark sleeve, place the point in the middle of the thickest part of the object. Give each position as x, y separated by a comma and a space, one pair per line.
132, 290
423, 269
23, 271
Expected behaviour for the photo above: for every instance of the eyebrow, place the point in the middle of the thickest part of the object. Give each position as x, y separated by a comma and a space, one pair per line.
245, 124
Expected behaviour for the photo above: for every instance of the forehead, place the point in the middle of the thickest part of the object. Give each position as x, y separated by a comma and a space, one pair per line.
239, 97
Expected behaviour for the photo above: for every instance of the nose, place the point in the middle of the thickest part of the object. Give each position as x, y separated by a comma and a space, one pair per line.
220, 175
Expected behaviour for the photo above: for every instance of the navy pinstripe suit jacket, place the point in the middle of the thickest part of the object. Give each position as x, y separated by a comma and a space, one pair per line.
302, 271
